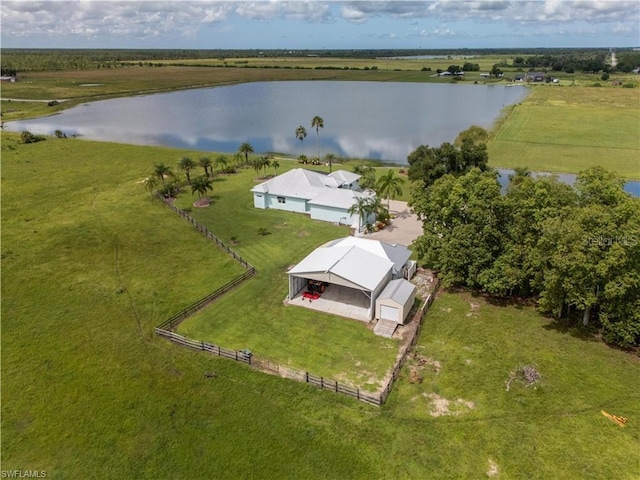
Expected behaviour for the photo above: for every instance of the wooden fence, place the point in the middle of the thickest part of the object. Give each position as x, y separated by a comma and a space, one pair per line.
207, 233
172, 322
166, 330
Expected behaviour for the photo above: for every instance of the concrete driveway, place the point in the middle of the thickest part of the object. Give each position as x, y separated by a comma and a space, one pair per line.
404, 228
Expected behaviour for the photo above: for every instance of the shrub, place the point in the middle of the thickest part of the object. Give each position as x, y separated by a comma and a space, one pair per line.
28, 137
263, 231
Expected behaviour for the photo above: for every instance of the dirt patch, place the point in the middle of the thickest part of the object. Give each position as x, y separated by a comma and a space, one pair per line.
440, 406
421, 362
302, 233
424, 280
493, 469
202, 202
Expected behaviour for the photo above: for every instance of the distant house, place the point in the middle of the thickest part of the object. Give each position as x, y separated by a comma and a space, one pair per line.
445, 74
485, 75
535, 76
326, 197
518, 77
7, 78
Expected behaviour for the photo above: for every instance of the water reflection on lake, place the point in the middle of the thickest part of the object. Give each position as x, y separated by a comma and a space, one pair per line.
569, 178
384, 121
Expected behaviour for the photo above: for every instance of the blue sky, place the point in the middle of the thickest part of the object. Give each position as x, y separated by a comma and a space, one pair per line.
319, 24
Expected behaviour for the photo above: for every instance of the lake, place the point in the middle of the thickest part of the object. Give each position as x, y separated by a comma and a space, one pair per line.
379, 120
569, 178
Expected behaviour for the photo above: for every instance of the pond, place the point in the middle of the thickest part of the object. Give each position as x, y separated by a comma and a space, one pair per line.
569, 178
378, 120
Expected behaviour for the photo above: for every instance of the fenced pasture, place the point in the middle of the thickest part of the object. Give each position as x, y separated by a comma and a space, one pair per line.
89, 390
167, 329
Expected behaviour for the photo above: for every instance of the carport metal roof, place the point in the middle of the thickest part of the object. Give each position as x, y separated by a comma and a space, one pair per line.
350, 266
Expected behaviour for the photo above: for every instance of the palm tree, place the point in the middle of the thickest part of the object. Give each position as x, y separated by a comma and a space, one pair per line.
201, 185
301, 132
367, 174
275, 164
256, 163
205, 162
266, 163
388, 185
363, 208
187, 164
246, 149
237, 159
151, 184
330, 158
161, 171
221, 162
317, 123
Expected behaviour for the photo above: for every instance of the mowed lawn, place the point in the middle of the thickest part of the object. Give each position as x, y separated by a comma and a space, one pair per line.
90, 265
254, 316
569, 129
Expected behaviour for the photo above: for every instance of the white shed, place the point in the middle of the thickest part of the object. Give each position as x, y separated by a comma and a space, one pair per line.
395, 301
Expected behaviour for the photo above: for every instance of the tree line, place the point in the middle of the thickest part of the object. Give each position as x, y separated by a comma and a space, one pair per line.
574, 249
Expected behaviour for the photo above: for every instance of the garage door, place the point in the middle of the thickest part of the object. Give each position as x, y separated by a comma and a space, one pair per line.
389, 313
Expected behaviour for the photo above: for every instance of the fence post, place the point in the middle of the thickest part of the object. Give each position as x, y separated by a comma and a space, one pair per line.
306, 376
358, 393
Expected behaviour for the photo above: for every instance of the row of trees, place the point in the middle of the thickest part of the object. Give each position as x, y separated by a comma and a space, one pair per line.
575, 249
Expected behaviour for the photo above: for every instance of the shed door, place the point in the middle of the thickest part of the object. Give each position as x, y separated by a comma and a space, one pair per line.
389, 313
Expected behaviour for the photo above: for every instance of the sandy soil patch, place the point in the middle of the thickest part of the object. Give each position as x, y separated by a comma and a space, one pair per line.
440, 406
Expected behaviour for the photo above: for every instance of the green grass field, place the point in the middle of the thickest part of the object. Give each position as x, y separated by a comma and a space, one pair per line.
569, 129
90, 265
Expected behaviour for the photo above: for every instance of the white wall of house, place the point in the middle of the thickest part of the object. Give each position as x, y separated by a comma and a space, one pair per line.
259, 200
332, 214
289, 204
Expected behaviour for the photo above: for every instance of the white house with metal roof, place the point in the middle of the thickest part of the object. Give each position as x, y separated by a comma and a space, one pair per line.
354, 272
323, 196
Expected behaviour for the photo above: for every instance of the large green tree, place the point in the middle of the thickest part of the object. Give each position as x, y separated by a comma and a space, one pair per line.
462, 220
201, 185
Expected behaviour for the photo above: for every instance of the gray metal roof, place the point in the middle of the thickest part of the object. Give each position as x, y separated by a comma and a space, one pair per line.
398, 290
301, 183
356, 265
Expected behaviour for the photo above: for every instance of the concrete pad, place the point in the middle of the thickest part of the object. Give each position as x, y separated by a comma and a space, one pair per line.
404, 228
338, 300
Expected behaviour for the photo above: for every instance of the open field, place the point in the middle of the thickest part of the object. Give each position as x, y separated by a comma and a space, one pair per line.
569, 129
90, 265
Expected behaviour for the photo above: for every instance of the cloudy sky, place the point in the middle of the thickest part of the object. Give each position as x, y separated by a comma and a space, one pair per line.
319, 24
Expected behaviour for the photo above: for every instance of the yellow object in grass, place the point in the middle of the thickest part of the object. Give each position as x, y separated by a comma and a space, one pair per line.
619, 420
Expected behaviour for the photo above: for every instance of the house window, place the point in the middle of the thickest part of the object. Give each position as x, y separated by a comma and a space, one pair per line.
282, 200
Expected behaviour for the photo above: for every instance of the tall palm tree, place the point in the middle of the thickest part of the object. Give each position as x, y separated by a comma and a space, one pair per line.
245, 149
201, 184
205, 162
161, 171
187, 164
221, 162
388, 185
266, 163
151, 184
330, 158
237, 159
301, 132
317, 123
362, 207
367, 174
275, 164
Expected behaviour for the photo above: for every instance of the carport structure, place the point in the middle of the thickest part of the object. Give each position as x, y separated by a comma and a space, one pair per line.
355, 270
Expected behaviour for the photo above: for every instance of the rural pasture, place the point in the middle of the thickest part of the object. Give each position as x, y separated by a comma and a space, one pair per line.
91, 264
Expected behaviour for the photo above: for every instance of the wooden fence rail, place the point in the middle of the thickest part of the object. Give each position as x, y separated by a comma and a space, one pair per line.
166, 330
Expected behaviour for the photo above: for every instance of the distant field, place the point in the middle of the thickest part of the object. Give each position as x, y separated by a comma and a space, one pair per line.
90, 264
568, 129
